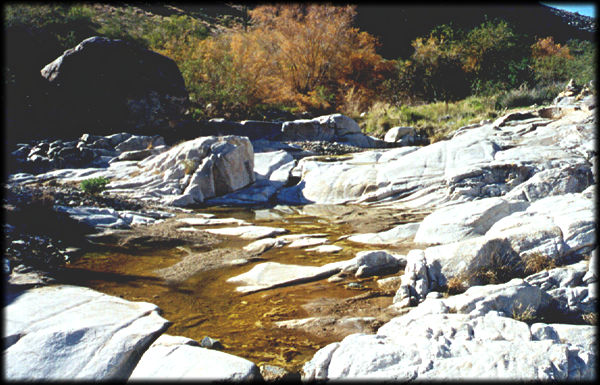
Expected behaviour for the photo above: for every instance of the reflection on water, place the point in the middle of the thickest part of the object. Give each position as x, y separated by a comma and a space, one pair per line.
207, 305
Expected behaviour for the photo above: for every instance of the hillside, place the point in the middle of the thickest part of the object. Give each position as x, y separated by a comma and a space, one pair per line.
191, 34
397, 26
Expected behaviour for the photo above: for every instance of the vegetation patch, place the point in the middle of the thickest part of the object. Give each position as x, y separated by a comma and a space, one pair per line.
536, 262
94, 185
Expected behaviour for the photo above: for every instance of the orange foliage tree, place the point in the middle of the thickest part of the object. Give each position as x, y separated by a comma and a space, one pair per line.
303, 56
550, 60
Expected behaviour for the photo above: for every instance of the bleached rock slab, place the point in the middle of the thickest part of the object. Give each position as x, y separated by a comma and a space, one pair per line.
273, 274
326, 249
397, 234
262, 245
212, 221
248, 232
191, 172
465, 220
443, 346
180, 358
68, 332
105, 217
306, 242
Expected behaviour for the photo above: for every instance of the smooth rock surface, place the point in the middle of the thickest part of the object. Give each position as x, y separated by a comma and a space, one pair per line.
397, 234
78, 333
248, 232
180, 358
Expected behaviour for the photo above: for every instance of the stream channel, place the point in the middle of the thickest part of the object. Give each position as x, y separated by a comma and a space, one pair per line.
206, 305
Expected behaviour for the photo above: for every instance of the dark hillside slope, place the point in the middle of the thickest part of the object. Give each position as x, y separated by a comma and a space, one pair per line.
397, 26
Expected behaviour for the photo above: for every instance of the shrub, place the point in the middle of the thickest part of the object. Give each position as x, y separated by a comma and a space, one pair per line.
524, 96
94, 185
590, 318
189, 166
455, 286
536, 262
527, 315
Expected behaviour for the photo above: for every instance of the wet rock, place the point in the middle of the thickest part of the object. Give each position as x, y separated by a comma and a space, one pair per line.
180, 358
211, 343
277, 373
330, 325
248, 232
390, 283
194, 221
262, 245
306, 242
78, 334
325, 249
273, 274
369, 263
95, 217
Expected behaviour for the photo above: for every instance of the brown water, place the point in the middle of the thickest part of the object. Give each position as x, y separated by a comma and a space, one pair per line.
207, 305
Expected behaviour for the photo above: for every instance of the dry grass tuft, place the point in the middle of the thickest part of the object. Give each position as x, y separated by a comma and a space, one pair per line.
536, 262
524, 314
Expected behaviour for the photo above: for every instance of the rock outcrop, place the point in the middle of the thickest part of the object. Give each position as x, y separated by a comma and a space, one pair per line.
109, 85
191, 172
463, 337
68, 332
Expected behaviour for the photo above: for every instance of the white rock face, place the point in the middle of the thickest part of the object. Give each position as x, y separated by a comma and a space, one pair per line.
212, 221
484, 161
272, 165
326, 249
248, 232
68, 332
515, 296
191, 172
180, 358
465, 220
397, 234
395, 134
434, 344
273, 274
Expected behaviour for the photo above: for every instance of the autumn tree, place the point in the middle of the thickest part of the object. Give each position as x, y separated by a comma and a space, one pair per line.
313, 55
550, 60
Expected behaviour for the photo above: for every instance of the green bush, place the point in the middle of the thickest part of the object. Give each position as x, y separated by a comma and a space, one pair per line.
524, 96
94, 185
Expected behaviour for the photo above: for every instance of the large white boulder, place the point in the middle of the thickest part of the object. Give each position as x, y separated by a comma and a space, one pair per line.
180, 358
465, 220
191, 172
397, 234
434, 343
67, 332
